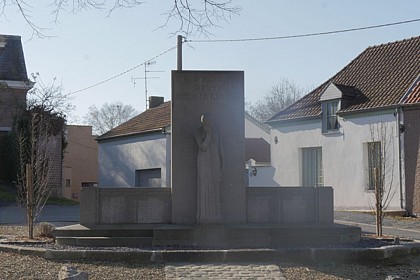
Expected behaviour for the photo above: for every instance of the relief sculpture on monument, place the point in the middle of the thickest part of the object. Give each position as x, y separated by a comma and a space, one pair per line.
209, 166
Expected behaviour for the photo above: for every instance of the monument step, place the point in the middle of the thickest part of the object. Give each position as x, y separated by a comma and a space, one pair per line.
252, 235
105, 241
217, 236
104, 231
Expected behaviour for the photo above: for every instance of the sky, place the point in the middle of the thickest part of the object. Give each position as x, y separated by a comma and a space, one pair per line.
89, 47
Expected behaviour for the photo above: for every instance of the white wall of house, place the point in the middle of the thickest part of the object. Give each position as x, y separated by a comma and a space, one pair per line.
265, 172
264, 176
252, 130
344, 156
120, 158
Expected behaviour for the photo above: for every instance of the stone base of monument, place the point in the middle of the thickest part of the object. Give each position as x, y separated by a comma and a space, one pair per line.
254, 235
208, 236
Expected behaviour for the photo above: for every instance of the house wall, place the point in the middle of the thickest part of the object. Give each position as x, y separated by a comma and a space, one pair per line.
412, 159
55, 161
264, 177
80, 163
119, 158
344, 157
12, 102
254, 131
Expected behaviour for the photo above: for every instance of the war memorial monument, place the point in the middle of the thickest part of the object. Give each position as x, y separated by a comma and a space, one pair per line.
208, 204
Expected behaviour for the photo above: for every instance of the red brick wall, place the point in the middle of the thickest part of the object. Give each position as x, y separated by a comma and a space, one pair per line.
412, 158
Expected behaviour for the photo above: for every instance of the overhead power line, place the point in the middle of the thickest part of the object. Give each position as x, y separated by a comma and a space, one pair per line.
304, 35
247, 40
122, 73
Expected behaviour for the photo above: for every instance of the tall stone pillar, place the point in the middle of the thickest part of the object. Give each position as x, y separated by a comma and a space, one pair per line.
219, 94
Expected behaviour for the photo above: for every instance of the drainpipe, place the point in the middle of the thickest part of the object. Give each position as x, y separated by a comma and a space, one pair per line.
400, 159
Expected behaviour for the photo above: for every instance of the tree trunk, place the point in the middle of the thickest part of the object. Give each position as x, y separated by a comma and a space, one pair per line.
29, 200
378, 203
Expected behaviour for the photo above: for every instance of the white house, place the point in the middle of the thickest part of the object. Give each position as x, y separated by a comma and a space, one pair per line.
137, 153
257, 153
337, 134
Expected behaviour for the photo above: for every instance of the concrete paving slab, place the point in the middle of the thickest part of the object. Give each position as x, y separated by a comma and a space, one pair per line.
222, 271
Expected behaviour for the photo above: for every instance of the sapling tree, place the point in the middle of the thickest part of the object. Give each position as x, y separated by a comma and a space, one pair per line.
39, 141
39, 133
381, 163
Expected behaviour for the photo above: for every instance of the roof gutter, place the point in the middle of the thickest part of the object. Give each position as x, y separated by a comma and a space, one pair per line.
294, 119
17, 84
160, 130
389, 107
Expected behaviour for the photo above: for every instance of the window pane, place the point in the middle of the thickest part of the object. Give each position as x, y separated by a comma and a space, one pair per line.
312, 173
374, 161
331, 117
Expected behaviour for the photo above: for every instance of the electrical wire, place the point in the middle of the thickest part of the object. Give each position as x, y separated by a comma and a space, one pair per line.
82, 145
247, 40
122, 73
303, 35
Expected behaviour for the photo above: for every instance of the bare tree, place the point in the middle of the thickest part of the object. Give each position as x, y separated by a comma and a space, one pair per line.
199, 17
381, 163
39, 135
49, 96
108, 116
280, 96
192, 16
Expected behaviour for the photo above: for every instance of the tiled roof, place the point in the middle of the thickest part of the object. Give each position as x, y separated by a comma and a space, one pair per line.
12, 61
413, 95
382, 74
152, 120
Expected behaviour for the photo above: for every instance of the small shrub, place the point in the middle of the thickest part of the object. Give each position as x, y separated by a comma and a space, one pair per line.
47, 229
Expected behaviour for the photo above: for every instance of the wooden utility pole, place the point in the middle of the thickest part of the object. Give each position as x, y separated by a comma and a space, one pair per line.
179, 53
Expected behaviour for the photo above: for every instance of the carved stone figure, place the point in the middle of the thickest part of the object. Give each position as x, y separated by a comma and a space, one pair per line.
209, 165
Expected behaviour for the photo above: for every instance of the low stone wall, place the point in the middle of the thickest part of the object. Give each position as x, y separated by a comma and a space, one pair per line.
290, 205
125, 205
153, 205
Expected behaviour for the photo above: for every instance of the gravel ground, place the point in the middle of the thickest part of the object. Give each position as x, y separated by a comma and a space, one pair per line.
15, 266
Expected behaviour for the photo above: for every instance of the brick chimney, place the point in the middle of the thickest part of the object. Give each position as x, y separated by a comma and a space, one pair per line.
155, 101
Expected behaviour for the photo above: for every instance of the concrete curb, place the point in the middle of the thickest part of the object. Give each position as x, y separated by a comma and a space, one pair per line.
354, 255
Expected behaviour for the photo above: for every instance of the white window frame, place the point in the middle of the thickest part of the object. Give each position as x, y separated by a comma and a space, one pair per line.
312, 170
328, 113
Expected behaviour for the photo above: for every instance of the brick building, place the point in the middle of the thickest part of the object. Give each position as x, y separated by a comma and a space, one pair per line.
14, 86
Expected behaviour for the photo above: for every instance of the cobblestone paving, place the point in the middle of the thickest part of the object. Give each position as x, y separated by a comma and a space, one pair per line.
222, 271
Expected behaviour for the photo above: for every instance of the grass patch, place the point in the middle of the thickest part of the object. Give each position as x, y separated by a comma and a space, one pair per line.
61, 201
7, 194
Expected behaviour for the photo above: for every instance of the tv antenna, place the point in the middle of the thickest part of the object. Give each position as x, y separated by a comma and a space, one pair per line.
146, 64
